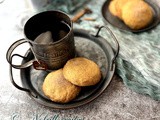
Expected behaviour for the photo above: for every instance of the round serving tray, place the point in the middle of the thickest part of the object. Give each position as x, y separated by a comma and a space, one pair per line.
92, 47
116, 22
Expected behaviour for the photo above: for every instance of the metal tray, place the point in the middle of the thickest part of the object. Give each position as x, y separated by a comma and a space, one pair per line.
116, 22
92, 47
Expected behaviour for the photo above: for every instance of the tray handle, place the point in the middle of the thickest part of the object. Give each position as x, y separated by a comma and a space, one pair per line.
14, 83
116, 41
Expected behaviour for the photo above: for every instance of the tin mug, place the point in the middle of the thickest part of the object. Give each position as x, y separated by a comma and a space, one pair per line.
48, 54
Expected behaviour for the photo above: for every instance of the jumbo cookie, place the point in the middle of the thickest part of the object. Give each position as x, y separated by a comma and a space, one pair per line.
137, 14
58, 89
82, 72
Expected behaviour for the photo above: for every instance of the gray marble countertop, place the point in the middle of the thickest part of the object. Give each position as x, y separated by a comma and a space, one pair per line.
116, 103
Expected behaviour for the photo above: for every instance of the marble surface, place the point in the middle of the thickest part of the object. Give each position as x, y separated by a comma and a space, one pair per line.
116, 103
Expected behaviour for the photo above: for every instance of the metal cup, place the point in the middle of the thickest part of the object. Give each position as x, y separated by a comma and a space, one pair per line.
48, 54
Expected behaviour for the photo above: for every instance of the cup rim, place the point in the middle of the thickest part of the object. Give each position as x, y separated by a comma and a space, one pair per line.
56, 42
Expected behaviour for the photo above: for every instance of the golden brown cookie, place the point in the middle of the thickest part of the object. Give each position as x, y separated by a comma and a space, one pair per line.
118, 6
112, 7
137, 14
58, 89
82, 72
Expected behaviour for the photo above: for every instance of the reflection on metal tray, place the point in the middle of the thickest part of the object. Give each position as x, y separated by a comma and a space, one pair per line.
116, 22
92, 47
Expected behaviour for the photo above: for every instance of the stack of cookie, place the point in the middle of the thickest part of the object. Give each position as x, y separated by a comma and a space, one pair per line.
65, 84
136, 14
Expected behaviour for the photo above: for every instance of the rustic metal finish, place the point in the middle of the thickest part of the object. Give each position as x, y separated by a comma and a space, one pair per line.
53, 55
92, 47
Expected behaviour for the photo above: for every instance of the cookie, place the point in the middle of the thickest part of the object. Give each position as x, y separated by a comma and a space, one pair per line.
81, 71
137, 14
112, 7
58, 89
118, 6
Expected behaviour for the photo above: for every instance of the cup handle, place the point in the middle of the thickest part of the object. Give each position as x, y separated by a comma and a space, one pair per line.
116, 41
9, 54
